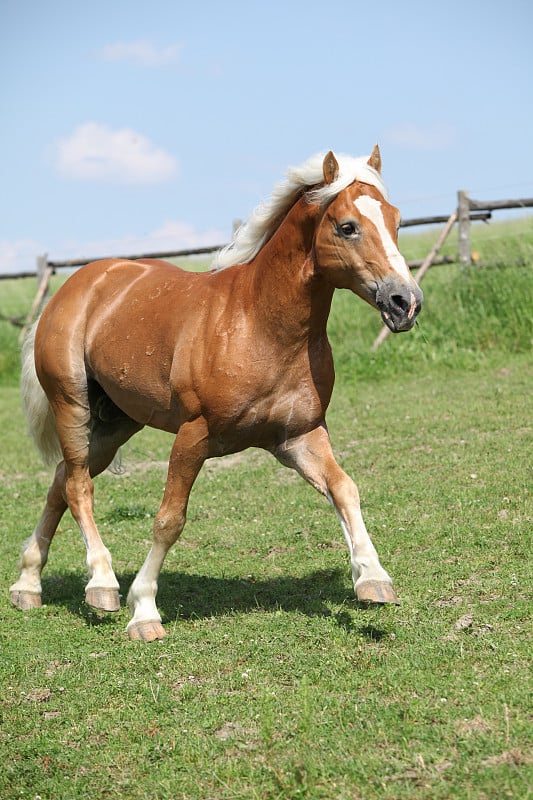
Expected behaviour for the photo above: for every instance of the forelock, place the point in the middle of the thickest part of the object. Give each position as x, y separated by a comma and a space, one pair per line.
350, 170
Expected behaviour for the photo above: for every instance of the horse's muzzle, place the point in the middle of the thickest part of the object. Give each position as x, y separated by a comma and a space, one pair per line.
399, 303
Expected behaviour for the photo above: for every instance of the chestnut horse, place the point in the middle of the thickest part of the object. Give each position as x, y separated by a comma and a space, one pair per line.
228, 359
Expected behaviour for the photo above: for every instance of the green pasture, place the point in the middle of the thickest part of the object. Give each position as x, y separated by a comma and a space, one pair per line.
273, 683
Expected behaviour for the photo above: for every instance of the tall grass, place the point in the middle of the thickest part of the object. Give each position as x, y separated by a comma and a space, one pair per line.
495, 243
469, 315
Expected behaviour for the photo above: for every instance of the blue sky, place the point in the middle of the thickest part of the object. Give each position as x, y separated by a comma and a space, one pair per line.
132, 126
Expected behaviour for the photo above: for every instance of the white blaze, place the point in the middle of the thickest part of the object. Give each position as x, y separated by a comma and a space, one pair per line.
371, 208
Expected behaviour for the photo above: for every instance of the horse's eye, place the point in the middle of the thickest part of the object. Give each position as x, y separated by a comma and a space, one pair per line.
350, 230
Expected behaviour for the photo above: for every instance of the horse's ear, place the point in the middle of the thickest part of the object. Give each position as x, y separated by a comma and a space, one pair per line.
375, 159
330, 167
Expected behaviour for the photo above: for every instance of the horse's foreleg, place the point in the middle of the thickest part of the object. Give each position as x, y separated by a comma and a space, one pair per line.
311, 455
188, 454
26, 592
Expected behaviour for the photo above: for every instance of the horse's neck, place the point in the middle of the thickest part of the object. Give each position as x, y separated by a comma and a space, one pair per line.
285, 280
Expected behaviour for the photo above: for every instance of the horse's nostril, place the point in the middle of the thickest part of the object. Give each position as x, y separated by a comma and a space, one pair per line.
400, 302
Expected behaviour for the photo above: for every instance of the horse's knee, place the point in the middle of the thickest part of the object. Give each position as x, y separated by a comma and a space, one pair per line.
168, 527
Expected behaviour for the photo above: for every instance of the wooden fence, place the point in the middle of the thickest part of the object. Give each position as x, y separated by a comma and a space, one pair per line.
463, 215
467, 211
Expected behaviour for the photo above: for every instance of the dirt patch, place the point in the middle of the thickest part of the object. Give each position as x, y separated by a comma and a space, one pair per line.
472, 726
38, 696
236, 733
514, 757
445, 602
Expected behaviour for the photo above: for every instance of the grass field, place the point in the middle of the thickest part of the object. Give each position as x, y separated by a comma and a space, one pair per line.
273, 682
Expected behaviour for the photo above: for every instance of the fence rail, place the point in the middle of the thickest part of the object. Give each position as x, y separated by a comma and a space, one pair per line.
438, 220
468, 211
198, 251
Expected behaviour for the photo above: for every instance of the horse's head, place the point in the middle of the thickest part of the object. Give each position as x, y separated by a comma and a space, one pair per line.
356, 247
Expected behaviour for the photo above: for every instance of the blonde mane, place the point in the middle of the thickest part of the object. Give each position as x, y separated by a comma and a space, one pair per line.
265, 219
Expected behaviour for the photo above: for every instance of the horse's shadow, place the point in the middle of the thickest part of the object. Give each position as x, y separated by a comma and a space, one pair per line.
185, 596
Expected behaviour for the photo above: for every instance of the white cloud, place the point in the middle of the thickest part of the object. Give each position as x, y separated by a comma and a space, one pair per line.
95, 152
143, 52
419, 137
172, 235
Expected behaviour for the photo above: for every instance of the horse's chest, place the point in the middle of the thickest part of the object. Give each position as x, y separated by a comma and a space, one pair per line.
266, 409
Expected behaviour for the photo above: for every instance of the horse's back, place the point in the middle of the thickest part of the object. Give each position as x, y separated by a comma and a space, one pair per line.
105, 279
110, 290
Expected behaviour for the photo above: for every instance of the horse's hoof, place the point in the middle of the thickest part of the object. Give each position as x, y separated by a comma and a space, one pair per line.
25, 600
146, 631
376, 593
103, 599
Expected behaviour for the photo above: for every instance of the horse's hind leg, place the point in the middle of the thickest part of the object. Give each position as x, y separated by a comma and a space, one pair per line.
107, 433
312, 457
26, 592
89, 444
102, 589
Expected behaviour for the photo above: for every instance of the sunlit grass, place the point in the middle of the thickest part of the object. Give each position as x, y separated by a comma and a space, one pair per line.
272, 683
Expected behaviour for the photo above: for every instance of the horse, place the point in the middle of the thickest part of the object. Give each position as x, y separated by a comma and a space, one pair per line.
224, 360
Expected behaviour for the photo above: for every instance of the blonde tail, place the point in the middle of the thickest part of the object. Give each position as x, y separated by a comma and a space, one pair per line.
37, 410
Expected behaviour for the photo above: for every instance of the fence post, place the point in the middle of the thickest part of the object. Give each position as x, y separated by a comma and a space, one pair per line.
42, 268
44, 273
42, 262
463, 216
